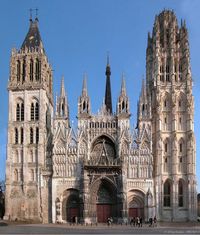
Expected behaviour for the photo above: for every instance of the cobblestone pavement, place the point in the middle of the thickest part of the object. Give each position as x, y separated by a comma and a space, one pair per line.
164, 228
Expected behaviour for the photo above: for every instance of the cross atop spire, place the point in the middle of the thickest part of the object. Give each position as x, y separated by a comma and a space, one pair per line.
31, 14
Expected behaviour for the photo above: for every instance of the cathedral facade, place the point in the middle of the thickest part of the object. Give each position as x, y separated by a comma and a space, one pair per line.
101, 169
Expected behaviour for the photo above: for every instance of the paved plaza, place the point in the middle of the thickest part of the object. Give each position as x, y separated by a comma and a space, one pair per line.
162, 228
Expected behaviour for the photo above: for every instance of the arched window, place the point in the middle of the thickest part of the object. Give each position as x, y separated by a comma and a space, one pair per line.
63, 109
18, 70
32, 111
84, 106
20, 111
31, 70
31, 135
37, 135
181, 153
175, 70
16, 136
37, 70
181, 103
36, 111
123, 106
167, 72
165, 122
166, 105
167, 194
180, 147
180, 194
166, 147
180, 122
162, 72
22, 135
24, 70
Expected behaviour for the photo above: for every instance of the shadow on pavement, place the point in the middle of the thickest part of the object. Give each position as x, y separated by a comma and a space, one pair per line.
3, 224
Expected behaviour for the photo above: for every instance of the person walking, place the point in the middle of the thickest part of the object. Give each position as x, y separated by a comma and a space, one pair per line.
154, 221
141, 221
150, 222
138, 221
134, 221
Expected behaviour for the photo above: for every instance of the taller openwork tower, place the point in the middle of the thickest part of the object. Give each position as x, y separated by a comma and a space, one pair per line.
169, 85
28, 164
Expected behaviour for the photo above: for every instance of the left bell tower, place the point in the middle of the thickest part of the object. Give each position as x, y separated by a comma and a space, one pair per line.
28, 163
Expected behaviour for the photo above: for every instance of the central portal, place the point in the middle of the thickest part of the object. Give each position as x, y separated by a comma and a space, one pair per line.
103, 212
105, 203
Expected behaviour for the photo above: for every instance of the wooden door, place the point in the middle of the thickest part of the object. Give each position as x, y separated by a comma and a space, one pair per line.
103, 212
133, 212
72, 213
136, 212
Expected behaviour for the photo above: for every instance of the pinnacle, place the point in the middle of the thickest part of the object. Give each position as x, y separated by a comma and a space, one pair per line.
62, 90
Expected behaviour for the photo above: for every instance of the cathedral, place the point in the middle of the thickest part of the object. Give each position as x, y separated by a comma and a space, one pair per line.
101, 169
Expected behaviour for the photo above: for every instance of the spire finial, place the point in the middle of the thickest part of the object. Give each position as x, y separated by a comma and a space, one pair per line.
31, 10
108, 72
143, 90
84, 88
108, 97
36, 14
123, 85
108, 59
62, 90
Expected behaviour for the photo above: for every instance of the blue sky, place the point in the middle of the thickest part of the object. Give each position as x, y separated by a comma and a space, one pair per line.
77, 34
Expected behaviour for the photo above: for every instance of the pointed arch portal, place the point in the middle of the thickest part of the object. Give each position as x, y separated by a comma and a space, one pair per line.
104, 203
136, 204
104, 200
71, 206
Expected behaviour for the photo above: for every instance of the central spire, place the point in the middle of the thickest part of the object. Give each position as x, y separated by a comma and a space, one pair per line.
33, 39
108, 96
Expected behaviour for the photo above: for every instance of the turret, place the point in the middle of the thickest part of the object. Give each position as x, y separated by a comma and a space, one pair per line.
84, 101
144, 108
123, 101
62, 108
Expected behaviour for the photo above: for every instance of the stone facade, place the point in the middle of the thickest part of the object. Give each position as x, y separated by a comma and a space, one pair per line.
103, 169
